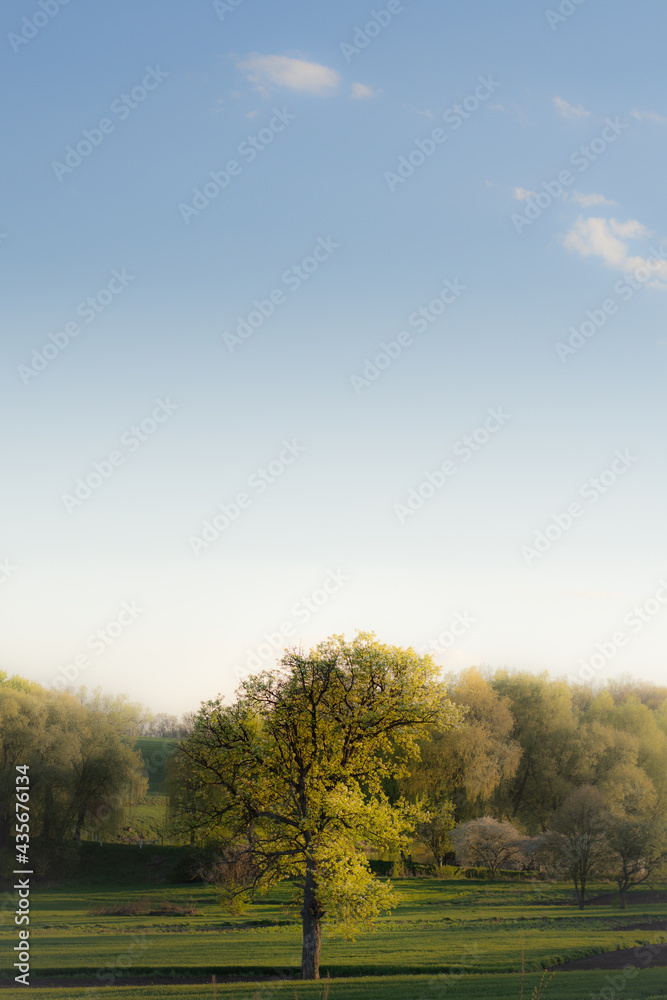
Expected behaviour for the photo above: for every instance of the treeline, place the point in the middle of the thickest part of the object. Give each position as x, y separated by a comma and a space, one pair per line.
523, 745
526, 742
80, 751
357, 744
168, 726
548, 777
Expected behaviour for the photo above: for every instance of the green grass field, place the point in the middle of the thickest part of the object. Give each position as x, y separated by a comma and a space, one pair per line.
649, 985
148, 820
446, 939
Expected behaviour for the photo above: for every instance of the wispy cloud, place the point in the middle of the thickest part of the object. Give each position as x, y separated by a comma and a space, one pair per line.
268, 72
360, 92
586, 200
648, 116
608, 239
578, 197
427, 113
567, 110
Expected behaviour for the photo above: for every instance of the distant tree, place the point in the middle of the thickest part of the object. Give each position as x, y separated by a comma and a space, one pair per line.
167, 726
544, 852
162, 725
582, 823
292, 773
107, 772
627, 687
466, 764
488, 843
639, 850
186, 725
546, 730
623, 748
79, 749
435, 830
33, 731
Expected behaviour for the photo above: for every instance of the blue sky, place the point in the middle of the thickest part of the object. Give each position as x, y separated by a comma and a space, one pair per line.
432, 224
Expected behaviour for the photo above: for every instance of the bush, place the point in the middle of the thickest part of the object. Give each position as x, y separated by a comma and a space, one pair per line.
382, 868
145, 907
191, 864
449, 872
489, 844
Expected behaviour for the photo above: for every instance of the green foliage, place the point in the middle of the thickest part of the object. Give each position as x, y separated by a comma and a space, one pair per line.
545, 727
465, 764
449, 872
294, 769
435, 830
79, 750
582, 826
638, 843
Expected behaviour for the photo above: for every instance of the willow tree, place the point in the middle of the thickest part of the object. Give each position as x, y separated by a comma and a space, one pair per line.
292, 775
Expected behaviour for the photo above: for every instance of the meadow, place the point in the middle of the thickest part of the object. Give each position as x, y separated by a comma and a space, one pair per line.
446, 938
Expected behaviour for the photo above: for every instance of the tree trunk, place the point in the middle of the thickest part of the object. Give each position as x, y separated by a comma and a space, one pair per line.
312, 929
519, 794
622, 895
78, 827
582, 894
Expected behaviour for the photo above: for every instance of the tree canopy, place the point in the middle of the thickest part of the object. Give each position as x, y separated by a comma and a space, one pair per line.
80, 751
292, 775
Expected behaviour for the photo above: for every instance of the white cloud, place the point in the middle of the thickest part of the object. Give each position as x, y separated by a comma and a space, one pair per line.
608, 240
267, 72
586, 200
360, 92
252, 114
630, 230
648, 116
567, 110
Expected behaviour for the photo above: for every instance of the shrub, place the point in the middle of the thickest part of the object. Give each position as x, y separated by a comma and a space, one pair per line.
488, 843
449, 872
144, 907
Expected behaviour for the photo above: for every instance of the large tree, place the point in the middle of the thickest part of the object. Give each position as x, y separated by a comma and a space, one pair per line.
107, 771
582, 824
465, 765
79, 749
546, 730
292, 774
32, 732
